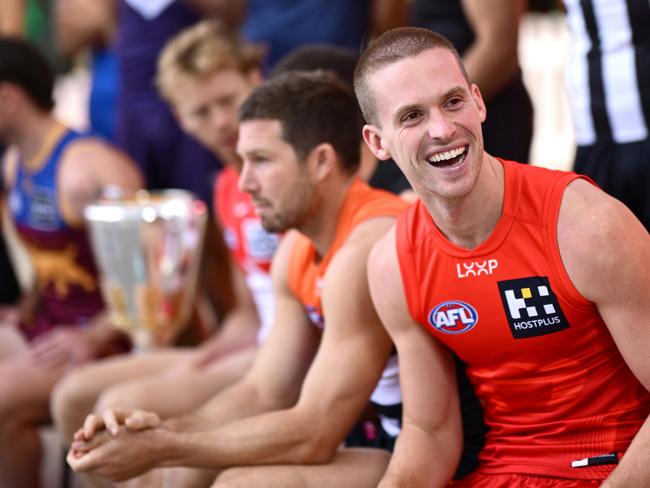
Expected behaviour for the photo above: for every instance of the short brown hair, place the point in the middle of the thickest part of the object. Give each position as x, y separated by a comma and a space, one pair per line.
24, 65
201, 50
392, 46
313, 108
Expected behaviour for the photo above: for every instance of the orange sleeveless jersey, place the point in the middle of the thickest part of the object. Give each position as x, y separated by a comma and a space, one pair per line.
553, 385
305, 273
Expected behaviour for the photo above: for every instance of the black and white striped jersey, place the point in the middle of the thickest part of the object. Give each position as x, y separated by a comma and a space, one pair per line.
608, 73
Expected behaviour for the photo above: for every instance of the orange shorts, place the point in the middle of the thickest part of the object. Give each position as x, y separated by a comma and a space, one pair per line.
483, 480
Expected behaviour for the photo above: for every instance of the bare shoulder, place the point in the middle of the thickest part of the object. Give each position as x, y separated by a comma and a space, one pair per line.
600, 240
382, 264
88, 166
369, 232
94, 160
9, 163
353, 255
386, 285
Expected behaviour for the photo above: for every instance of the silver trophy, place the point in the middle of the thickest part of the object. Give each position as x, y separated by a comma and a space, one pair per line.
148, 250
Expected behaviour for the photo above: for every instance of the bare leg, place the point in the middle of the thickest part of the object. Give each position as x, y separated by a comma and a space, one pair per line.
76, 394
351, 468
172, 478
24, 392
187, 478
174, 392
178, 390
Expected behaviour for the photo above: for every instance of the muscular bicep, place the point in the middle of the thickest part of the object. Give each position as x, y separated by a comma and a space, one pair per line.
355, 347
283, 360
606, 253
90, 166
431, 412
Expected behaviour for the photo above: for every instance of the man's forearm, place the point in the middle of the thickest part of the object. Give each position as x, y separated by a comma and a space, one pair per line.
279, 437
238, 331
236, 402
422, 458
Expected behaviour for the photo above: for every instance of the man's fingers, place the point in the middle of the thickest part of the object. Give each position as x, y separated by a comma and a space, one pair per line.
114, 417
79, 435
79, 461
83, 446
141, 420
92, 424
112, 420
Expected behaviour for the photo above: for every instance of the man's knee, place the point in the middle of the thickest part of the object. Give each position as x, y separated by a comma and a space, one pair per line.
72, 399
10, 406
120, 395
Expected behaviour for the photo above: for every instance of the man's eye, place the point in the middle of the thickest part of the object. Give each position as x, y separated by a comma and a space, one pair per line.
226, 102
411, 116
454, 101
201, 113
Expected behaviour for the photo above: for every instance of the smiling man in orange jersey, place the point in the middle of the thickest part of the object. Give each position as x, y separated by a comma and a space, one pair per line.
535, 278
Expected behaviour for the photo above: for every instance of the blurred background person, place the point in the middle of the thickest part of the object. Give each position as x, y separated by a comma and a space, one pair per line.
146, 128
204, 73
88, 29
51, 173
283, 26
608, 80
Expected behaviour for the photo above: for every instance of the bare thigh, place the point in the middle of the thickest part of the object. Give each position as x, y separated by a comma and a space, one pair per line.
76, 394
93, 378
179, 390
12, 341
25, 386
350, 468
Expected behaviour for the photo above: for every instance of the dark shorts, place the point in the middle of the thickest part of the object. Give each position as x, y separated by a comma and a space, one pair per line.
622, 170
370, 433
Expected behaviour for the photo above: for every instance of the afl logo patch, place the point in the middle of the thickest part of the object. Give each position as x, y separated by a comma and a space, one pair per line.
453, 317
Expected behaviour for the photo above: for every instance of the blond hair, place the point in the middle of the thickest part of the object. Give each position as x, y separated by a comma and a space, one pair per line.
202, 50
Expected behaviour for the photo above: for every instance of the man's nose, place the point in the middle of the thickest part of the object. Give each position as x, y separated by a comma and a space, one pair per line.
440, 126
220, 118
247, 182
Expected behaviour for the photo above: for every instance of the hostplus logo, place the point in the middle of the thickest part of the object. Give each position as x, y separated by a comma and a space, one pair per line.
531, 307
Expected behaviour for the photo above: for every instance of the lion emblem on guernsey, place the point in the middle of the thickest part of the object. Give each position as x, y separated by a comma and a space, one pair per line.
61, 269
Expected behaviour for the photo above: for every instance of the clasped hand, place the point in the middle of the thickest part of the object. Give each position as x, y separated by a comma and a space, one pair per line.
116, 445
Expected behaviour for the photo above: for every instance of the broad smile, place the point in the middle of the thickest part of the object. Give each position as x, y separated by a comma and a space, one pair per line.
446, 159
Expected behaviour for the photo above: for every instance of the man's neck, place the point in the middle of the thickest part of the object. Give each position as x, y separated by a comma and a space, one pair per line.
35, 136
469, 221
321, 230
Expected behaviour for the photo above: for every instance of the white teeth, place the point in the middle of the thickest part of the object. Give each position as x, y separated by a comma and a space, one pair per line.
445, 156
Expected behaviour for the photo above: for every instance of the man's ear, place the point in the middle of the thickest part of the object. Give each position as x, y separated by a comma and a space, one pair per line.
478, 100
373, 139
7, 97
323, 159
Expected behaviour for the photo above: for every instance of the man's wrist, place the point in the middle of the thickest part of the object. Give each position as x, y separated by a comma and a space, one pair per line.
170, 448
